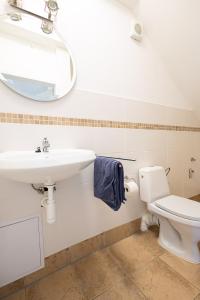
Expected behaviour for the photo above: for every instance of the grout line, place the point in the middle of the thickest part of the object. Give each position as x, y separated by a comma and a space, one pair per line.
179, 274
157, 258
197, 297
113, 287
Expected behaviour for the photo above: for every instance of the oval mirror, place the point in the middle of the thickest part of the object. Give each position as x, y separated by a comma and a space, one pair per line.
34, 62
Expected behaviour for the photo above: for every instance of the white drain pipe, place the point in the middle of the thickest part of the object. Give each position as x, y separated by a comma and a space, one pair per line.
148, 219
49, 204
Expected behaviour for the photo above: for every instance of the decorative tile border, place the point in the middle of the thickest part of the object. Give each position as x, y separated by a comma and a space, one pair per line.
70, 255
63, 121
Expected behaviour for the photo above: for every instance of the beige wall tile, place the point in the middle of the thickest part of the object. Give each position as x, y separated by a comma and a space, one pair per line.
116, 234
86, 247
11, 288
17, 296
134, 226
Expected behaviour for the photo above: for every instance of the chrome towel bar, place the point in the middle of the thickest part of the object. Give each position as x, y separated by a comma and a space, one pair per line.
120, 158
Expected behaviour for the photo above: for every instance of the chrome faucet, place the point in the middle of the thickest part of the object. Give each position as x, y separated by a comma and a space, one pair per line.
45, 145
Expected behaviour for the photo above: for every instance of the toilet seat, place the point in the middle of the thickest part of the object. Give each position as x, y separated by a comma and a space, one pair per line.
180, 207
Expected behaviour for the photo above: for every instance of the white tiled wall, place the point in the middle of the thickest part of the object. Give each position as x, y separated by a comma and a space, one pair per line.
79, 214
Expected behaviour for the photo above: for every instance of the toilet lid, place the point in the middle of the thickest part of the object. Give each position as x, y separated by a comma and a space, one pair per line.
180, 206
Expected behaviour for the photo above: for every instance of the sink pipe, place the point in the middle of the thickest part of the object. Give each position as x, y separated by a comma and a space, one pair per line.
48, 201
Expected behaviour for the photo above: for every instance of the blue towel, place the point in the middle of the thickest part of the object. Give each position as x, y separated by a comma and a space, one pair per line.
109, 181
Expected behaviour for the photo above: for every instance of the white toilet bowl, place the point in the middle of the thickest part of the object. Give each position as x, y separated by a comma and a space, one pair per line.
179, 234
179, 217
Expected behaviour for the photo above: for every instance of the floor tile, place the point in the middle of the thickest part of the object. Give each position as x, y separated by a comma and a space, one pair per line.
73, 294
160, 282
124, 290
197, 297
62, 284
188, 270
149, 240
97, 273
134, 268
136, 251
17, 296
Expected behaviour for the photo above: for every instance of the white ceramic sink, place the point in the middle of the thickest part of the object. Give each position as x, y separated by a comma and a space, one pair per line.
46, 168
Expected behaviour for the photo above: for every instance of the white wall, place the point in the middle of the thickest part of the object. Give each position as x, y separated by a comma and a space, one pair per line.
108, 61
174, 29
118, 79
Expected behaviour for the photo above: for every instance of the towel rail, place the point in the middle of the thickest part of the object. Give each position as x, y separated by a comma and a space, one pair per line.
120, 158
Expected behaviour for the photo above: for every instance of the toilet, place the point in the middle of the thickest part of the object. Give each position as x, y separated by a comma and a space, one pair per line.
179, 217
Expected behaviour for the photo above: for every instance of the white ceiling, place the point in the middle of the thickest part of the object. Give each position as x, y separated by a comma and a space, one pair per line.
173, 27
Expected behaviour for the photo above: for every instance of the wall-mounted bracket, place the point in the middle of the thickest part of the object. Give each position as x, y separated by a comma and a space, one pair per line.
43, 9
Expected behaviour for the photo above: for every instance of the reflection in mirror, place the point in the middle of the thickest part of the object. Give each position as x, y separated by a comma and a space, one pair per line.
33, 63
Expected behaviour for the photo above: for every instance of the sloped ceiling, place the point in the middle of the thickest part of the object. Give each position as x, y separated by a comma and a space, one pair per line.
173, 27
130, 3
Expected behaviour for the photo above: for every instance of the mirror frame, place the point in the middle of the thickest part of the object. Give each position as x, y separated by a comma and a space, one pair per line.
72, 66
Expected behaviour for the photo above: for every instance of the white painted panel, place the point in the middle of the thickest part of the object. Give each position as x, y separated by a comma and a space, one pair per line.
21, 250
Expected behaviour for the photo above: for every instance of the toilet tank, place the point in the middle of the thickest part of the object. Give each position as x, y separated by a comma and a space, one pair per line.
153, 183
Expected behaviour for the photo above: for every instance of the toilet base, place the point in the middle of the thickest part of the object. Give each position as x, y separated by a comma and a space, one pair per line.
180, 240
172, 251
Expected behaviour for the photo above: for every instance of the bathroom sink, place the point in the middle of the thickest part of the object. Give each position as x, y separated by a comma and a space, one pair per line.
47, 168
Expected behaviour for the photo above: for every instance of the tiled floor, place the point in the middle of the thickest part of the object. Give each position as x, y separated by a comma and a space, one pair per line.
134, 268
